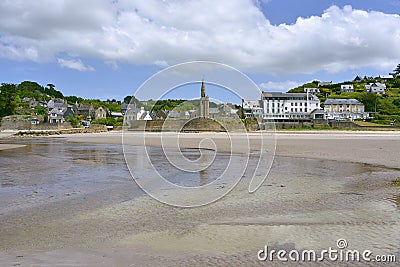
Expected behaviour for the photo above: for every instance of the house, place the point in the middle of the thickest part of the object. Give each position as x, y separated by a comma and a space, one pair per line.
100, 113
252, 108
130, 115
214, 113
311, 90
26, 99
319, 117
322, 84
345, 109
318, 114
56, 103
124, 108
85, 110
69, 111
33, 103
117, 114
376, 88
173, 114
159, 115
134, 114
145, 116
386, 78
281, 106
56, 115
357, 79
34, 121
346, 88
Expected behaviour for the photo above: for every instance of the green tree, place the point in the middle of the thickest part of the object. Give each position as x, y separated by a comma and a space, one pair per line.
7, 99
39, 110
75, 122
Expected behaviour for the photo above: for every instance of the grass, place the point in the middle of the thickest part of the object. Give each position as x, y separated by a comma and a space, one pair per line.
367, 124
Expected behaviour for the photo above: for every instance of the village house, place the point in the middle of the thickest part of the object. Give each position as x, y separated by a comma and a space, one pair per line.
85, 110
344, 109
56, 115
34, 121
252, 109
386, 78
346, 88
134, 114
100, 113
322, 84
358, 79
124, 107
69, 111
376, 88
33, 103
311, 90
56, 103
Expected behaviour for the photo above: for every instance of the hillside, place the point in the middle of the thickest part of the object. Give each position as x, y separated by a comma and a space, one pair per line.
384, 108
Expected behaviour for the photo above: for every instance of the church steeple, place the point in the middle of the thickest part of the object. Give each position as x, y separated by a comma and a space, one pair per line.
204, 111
203, 89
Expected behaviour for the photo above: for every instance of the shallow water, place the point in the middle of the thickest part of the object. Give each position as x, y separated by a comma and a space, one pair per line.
57, 198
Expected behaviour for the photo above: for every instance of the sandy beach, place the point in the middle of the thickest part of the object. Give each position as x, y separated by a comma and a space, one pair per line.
322, 186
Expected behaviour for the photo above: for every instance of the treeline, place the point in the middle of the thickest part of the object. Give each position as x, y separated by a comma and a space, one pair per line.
12, 96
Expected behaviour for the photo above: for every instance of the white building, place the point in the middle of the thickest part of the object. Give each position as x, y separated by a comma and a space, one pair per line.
311, 90
135, 114
386, 77
252, 108
345, 109
281, 106
56, 115
322, 84
376, 88
347, 88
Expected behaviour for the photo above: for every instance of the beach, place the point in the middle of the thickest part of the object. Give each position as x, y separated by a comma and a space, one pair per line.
322, 186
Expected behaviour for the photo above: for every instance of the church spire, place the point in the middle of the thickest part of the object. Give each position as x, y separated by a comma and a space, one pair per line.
203, 89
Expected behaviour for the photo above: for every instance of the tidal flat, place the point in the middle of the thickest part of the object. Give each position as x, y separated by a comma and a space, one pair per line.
71, 201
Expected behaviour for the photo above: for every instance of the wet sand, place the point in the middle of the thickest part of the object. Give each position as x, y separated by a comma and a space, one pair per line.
9, 146
322, 186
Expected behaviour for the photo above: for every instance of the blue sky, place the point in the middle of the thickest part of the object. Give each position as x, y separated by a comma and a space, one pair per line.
107, 49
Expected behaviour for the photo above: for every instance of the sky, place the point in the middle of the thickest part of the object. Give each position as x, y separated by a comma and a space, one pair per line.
105, 49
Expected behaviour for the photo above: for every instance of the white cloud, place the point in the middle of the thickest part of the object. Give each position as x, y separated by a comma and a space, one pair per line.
279, 86
234, 32
75, 64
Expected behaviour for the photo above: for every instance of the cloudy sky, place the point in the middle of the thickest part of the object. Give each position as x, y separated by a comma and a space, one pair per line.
108, 48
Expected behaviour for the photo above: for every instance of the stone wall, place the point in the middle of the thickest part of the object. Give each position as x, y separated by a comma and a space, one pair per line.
195, 125
96, 129
21, 122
